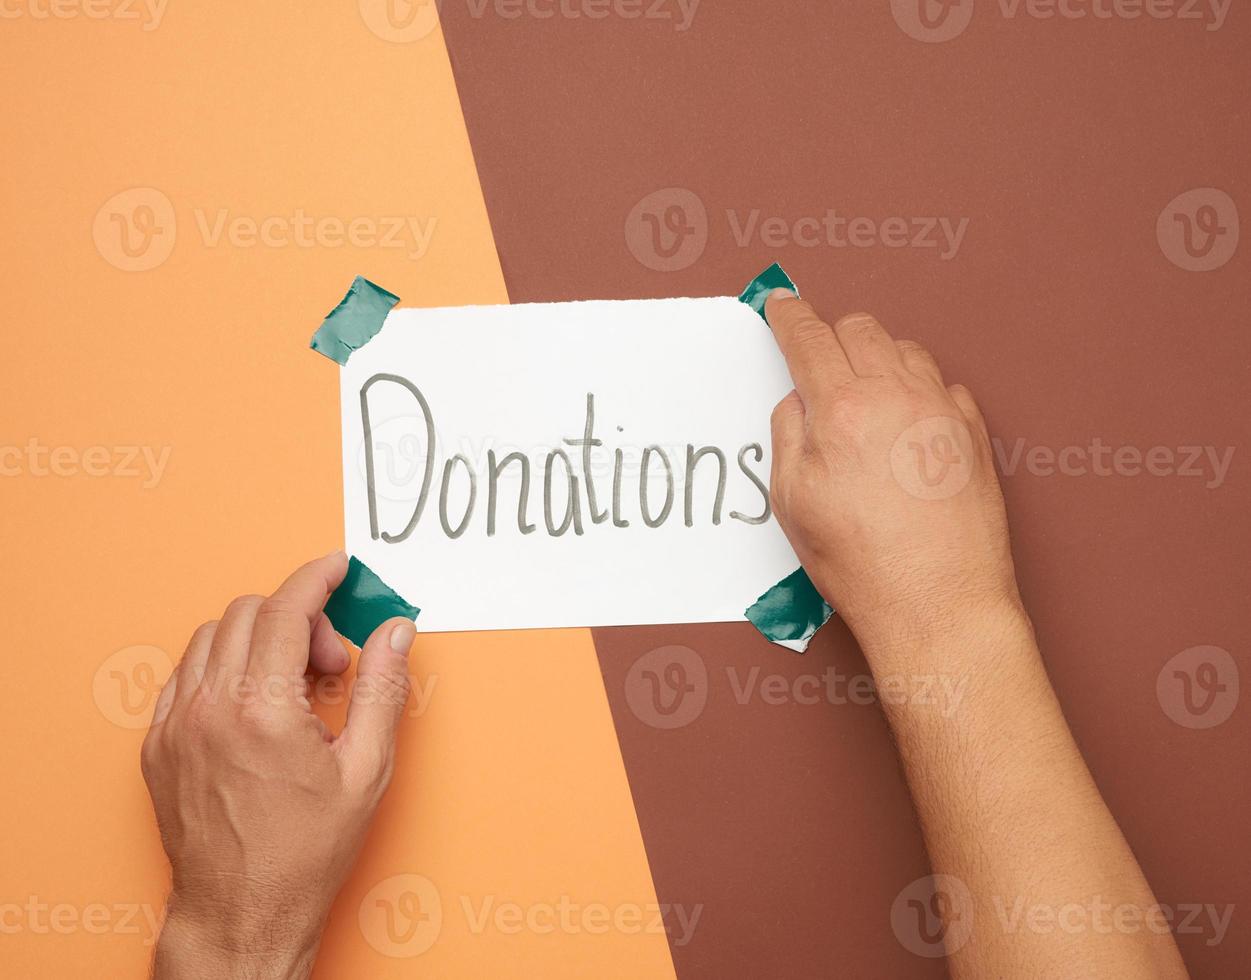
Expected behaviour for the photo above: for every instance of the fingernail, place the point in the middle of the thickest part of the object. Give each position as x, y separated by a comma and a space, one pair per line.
783, 293
402, 638
338, 553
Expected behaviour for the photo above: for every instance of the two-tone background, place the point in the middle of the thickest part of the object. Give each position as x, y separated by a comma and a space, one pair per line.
1045, 193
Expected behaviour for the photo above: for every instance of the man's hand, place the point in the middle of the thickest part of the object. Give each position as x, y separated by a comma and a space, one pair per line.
261, 809
884, 480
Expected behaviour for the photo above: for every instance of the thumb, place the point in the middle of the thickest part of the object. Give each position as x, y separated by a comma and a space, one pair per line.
378, 698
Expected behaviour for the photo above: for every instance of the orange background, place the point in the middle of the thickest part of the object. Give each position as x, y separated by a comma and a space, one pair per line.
510, 786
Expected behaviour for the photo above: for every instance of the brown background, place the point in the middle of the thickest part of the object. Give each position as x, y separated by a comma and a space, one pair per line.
1061, 142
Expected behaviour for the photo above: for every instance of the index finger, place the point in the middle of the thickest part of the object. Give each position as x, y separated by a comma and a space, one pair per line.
285, 620
814, 356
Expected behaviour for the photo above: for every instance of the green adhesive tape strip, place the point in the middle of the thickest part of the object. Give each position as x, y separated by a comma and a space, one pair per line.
363, 603
354, 322
793, 610
758, 289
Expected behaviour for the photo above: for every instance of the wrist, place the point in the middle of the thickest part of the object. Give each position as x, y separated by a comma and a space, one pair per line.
973, 675
200, 943
951, 631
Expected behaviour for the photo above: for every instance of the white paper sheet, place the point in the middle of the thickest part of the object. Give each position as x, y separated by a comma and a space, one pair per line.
678, 374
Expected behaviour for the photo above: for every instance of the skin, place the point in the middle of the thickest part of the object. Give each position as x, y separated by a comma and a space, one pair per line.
262, 810
884, 482
915, 556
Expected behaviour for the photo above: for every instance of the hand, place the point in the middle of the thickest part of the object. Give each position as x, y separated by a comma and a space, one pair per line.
261, 809
884, 481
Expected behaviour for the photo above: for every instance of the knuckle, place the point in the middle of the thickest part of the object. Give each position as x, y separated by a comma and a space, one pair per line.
812, 483
199, 718
273, 688
910, 348
798, 309
259, 719
810, 331
390, 687
149, 753
846, 412
287, 643
782, 496
199, 729
206, 629
778, 500
915, 407
276, 605
964, 398
784, 409
243, 603
858, 323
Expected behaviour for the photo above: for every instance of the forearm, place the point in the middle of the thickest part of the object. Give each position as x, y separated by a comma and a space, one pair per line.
1008, 807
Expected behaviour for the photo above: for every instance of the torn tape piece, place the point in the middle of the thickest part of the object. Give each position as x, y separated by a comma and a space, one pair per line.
363, 603
758, 289
791, 612
354, 322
